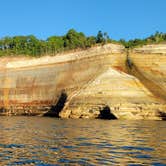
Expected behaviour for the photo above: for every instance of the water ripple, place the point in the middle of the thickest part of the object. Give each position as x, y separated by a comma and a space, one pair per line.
49, 142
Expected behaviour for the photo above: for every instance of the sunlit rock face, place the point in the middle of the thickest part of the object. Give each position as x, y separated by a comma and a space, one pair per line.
101, 82
150, 66
137, 94
33, 86
124, 95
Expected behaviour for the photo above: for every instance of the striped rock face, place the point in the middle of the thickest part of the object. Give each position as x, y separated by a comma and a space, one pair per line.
135, 93
95, 83
33, 86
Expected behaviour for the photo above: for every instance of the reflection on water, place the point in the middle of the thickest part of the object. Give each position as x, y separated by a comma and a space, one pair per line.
48, 141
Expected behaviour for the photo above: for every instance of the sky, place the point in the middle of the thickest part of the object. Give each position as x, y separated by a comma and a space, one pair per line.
127, 19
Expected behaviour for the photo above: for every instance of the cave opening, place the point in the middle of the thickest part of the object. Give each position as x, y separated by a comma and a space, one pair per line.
58, 107
106, 113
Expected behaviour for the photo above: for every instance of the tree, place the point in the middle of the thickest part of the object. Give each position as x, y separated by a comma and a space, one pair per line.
55, 43
106, 38
90, 41
74, 39
99, 37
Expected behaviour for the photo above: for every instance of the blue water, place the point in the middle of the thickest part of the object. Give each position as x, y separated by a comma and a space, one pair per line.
45, 141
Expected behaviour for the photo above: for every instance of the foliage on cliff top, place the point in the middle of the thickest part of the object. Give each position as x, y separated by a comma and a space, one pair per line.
156, 38
30, 45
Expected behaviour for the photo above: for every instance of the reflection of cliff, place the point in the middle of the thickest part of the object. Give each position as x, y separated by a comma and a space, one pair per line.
92, 80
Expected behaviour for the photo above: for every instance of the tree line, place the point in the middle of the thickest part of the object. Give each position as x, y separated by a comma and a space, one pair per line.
31, 46
156, 38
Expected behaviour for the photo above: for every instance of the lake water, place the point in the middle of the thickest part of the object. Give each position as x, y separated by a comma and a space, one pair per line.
46, 141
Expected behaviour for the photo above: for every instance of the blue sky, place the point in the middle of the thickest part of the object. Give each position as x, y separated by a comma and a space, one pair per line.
119, 18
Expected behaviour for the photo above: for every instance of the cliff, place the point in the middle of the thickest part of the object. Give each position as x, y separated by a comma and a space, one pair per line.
100, 82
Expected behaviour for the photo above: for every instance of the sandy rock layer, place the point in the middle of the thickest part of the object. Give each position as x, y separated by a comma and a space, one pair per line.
101, 82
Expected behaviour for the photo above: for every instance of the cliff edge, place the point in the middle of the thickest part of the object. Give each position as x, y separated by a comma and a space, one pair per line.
101, 82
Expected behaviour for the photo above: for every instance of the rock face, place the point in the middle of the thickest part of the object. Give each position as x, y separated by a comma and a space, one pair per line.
34, 86
140, 94
149, 65
100, 82
123, 95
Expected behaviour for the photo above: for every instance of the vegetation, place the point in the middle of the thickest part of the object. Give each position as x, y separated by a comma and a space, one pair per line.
31, 46
158, 37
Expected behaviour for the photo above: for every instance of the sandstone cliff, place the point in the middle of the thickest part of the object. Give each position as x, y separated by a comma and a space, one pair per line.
100, 82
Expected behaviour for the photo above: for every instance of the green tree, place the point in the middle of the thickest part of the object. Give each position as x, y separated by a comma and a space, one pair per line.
55, 43
90, 41
74, 39
100, 37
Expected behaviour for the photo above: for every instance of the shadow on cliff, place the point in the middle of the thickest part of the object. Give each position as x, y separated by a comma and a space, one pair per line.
154, 88
162, 115
57, 108
105, 113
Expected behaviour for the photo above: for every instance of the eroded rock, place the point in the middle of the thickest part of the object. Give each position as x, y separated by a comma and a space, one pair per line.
123, 94
97, 83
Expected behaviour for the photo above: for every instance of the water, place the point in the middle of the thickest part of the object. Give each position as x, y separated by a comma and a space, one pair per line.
47, 141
